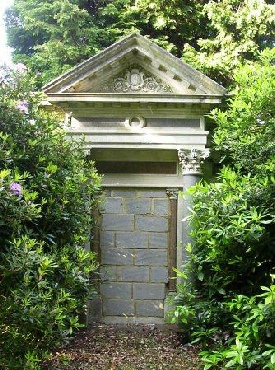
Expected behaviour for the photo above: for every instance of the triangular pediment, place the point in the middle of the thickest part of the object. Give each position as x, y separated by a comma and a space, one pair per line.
134, 79
134, 65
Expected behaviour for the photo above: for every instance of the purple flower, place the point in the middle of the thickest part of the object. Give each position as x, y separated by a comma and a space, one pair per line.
20, 67
23, 106
16, 189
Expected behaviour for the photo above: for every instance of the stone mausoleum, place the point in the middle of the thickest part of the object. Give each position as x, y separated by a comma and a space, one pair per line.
142, 112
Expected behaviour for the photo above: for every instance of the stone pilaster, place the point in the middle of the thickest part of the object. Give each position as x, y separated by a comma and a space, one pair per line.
190, 161
172, 194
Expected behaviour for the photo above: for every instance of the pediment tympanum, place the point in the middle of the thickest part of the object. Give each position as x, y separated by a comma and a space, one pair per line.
134, 80
134, 65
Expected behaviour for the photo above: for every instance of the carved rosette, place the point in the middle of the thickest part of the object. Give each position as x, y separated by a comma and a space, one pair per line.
137, 80
191, 160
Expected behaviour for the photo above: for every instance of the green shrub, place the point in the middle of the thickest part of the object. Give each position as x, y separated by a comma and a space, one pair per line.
253, 340
232, 254
199, 319
47, 190
233, 233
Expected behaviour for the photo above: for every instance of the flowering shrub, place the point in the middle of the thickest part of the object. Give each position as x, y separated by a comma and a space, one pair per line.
47, 192
23, 106
16, 188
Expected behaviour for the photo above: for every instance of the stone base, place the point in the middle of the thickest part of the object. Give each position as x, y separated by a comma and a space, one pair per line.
94, 314
132, 320
94, 310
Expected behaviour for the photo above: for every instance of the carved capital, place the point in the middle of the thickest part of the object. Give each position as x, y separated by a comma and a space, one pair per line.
191, 160
172, 193
87, 152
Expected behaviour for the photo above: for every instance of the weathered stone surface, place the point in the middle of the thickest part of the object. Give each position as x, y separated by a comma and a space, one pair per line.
94, 309
158, 240
116, 257
134, 273
151, 257
112, 205
149, 308
134, 245
108, 273
138, 206
156, 193
106, 193
132, 240
161, 207
116, 290
123, 193
149, 223
118, 307
159, 274
118, 222
126, 320
149, 291
107, 239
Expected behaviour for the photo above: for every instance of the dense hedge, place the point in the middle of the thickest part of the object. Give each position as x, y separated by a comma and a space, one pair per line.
232, 256
47, 190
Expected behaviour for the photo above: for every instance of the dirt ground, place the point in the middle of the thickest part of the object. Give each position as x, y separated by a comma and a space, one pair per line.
131, 347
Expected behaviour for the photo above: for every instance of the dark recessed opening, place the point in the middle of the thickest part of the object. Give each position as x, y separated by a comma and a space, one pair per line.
169, 168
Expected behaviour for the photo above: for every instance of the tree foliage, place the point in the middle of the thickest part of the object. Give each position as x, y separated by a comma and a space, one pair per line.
214, 36
50, 36
169, 23
240, 31
47, 192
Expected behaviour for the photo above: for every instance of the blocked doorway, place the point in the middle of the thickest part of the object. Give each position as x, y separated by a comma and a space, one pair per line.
138, 253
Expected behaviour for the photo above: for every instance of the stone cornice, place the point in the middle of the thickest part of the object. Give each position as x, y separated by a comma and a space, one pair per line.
128, 97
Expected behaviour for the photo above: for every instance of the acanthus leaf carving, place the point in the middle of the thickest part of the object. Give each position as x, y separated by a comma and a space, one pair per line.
192, 159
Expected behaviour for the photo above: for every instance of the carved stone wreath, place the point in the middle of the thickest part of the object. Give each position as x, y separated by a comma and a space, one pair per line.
137, 80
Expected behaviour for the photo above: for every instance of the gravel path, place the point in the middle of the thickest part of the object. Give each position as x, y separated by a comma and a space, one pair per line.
131, 347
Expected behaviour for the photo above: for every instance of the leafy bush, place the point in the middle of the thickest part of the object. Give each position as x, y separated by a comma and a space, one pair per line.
47, 190
199, 319
253, 342
233, 223
232, 253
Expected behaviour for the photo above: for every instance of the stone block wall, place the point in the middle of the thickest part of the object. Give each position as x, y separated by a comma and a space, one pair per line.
134, 254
